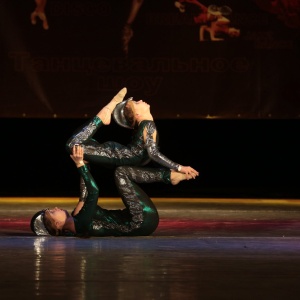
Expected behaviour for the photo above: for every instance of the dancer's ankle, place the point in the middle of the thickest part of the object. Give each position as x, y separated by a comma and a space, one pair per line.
177, 177
105, 115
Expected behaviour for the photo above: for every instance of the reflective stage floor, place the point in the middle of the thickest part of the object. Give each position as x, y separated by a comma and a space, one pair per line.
203, 249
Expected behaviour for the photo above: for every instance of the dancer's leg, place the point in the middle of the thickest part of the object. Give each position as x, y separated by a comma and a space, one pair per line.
144, 215
86, 132
94, 151
105, 113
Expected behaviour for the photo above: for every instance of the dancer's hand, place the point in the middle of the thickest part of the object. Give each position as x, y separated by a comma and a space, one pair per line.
77, 155
188, 171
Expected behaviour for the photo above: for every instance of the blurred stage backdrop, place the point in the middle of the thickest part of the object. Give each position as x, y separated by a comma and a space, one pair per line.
191, 60
188, 58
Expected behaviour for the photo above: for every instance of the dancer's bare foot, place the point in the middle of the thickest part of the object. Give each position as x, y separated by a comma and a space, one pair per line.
119, 97
105, 113
176, 177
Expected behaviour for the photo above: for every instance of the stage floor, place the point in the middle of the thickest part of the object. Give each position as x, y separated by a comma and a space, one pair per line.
202, 249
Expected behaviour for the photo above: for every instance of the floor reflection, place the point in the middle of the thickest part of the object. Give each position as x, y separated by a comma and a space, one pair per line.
116, 268
201, 250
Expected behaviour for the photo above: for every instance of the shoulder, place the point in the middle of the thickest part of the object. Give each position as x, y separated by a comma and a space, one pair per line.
149, 125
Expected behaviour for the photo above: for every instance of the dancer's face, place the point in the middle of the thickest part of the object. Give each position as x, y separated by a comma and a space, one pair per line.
135, 110
140, 107
56, 215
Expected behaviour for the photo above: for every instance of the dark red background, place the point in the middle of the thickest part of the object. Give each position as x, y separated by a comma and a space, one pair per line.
230, 109
73, 68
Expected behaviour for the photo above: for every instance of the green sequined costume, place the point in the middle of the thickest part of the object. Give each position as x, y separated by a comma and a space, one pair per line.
138, 218
112, 154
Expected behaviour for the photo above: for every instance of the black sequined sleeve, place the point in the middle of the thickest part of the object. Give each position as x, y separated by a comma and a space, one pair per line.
153, 151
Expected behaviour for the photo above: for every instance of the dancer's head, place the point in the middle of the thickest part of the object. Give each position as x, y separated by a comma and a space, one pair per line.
49, 221
129, 113
37, 223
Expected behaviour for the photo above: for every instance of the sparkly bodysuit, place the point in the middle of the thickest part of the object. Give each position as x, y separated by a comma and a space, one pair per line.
112, 154
138, 218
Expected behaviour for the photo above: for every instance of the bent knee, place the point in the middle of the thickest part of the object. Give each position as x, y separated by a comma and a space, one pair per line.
70, 144
68, 147
122, 171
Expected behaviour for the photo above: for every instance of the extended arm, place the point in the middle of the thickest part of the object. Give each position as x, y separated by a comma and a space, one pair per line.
157, 156
91, 191
83, 194
82, 198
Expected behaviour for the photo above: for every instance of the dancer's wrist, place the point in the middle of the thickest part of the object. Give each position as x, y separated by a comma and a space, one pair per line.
79, 163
